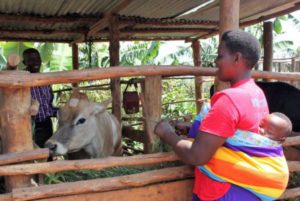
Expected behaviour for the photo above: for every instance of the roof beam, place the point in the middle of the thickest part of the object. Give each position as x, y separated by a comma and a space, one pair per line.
31, 33
47, 19
251, 22
103, 22
164, 22
167, 30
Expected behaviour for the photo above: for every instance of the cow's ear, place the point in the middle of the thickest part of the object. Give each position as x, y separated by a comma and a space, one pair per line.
101, 107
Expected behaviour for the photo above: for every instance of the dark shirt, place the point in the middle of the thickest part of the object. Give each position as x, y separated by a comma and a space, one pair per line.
44, 95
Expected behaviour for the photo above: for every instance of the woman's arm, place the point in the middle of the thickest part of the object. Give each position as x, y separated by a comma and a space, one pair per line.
196, 153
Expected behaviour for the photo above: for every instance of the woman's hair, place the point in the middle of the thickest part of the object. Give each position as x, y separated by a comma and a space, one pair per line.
243, 42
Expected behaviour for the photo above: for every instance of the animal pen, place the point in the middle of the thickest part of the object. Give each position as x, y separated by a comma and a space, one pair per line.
115, 21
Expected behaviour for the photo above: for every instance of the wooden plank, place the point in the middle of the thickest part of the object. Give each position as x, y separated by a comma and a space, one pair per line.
15, 121
291, 141
114, 54
152, 110
6, 197
291, 193
268, 46
173, 191
136, 135
104, 21
252, 22
294, 166
87, 164
47, 20
101, 185
18, 157
196, 46
75, 60
229, 20
40, 79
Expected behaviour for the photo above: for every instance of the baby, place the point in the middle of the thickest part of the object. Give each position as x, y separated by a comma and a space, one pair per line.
275, 126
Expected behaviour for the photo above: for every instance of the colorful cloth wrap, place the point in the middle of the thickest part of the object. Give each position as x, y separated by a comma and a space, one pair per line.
248, 160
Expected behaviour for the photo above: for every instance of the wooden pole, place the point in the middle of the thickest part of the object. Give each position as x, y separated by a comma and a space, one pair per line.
40, 79
175, 190
229, 20
291, 193
114, 54
196, 46
15, 121
6, 197
75, 59
268, 46
89, 164
101, 185
293, 67
18, 157
152, 110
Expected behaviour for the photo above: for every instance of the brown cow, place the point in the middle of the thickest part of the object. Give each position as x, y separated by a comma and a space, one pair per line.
86, 126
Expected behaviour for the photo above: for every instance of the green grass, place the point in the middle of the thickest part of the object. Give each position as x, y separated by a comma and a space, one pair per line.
71, 176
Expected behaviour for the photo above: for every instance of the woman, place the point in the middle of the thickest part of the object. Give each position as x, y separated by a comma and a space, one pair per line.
240, 107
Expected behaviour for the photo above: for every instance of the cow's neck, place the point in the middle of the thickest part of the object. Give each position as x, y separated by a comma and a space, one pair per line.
92, 148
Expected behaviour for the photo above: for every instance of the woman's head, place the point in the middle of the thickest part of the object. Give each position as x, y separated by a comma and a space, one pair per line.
238, 53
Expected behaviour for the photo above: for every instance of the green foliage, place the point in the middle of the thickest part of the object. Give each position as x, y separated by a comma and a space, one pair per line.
46, 52
277, 25
69, 176
139, 53
209, 51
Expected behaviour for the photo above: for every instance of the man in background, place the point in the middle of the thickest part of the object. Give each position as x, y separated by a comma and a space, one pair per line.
43, 94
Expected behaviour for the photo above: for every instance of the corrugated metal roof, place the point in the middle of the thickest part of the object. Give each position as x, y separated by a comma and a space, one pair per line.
68, 20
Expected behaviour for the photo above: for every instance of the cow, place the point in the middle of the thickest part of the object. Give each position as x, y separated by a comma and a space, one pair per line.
86, 126
281, 97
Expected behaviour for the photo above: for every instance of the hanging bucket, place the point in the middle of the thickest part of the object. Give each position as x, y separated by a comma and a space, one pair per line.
131, 99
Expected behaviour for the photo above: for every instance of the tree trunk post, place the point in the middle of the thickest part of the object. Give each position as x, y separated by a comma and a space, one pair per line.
196, 46
15, 121
152, 88
114, 49
268, 46
229, 20
75, 60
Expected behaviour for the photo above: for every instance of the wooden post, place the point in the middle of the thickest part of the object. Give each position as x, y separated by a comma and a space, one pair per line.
75, 60
229, 20
196, 46
293, 66
15, 124
293, 69
114, 49
152, 88
268, 46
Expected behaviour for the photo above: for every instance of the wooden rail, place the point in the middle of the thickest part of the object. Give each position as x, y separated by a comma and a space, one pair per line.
102, 185
87, 164
20, 80
99, 164
18, 157
291, 141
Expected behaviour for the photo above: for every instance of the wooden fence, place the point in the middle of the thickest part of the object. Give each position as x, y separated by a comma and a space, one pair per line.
172, 183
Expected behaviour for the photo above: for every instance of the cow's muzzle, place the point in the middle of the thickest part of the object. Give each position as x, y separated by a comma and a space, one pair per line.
51, 146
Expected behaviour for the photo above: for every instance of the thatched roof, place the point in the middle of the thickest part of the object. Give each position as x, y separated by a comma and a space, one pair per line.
81, 20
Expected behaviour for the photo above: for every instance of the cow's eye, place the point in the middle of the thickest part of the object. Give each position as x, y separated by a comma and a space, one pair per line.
80, 121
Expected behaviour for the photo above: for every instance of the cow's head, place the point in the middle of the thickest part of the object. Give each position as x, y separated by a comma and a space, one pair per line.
76, 124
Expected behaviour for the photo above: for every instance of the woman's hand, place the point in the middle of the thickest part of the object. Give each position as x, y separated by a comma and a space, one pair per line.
163, 128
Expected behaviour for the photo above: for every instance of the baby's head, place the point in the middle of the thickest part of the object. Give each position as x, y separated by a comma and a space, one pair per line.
276, 126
